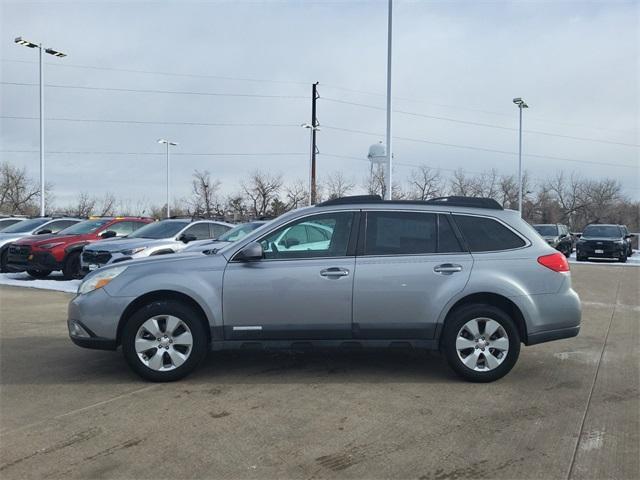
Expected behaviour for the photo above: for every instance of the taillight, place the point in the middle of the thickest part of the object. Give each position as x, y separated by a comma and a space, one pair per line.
555, 261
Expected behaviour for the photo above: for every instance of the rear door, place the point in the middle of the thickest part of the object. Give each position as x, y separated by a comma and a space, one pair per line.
409, 265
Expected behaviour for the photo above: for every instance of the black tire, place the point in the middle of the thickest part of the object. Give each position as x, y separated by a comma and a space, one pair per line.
454, 324
189, 316
566, 250
39, 274
3, 260
623, 258
72, 268
581, 258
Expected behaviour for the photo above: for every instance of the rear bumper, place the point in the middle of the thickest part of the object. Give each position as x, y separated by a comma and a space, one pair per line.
551, 335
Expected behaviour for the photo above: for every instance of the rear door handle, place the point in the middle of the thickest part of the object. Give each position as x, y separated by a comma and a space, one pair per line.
448, 268
334, 272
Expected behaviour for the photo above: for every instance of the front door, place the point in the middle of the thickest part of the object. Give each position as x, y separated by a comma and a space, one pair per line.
301, 289
410, 266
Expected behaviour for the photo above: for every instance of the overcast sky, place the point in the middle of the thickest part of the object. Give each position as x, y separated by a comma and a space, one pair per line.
575, 63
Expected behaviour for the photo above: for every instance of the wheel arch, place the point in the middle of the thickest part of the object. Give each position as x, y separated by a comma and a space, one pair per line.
156, 295
494, 299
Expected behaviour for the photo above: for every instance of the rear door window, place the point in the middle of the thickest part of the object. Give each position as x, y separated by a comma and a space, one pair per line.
400, 233
199, 230
447, 240
217, 229
58, 225
484, 234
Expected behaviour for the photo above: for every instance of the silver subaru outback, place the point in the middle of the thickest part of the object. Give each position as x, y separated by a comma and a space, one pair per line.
457, 274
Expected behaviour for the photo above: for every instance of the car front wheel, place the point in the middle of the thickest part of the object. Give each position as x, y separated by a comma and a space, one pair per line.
481, 342
164, 341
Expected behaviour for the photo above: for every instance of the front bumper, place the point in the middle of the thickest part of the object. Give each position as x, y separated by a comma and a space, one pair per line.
98, 314
21, 258
604, 251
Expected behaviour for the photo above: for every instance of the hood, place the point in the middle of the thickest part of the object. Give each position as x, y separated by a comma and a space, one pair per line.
115, 245
168, 261
52, 237
10, 237
601, 239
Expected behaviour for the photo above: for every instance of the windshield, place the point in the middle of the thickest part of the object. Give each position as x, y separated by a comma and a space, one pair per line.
236, 233
546, 230
159, 230
88, 226
610, 231
25, 225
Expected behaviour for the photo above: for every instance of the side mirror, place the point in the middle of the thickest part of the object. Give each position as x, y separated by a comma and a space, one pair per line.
186, 238
250, 253
629, 235
578, 235
108, 234
44, 231
563, 235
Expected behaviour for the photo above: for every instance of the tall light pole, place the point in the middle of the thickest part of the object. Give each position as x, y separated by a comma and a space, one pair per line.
520, 103
168, 143
389, 151
50, 51
312, 161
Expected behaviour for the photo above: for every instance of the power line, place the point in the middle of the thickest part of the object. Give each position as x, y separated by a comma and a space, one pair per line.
207, 154
173, 92
170, 74
146, 122
482, 149
480, 124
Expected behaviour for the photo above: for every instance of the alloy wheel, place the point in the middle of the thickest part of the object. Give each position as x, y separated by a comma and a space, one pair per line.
482, 344
163, 343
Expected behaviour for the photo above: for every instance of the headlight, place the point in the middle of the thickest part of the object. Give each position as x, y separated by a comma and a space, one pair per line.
100, 279
132, 251
619, 242
49, 246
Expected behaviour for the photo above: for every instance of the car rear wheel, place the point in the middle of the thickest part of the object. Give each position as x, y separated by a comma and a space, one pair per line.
481, 342
39, 274
164, 341
72, 267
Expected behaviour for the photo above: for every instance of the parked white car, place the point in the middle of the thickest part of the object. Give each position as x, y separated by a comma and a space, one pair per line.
158, 238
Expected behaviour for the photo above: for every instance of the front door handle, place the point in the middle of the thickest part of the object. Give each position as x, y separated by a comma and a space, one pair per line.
334, 272
447, 268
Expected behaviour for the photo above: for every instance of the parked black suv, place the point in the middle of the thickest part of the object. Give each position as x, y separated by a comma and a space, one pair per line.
627, 236
558, 236
603, 241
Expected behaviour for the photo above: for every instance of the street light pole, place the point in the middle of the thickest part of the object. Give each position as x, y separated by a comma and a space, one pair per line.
168, 143
55, 53
389, 152
520, 103
312, 161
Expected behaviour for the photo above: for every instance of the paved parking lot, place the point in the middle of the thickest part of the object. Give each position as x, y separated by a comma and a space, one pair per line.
569, 409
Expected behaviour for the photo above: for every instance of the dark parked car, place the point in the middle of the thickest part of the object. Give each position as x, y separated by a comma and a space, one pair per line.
603, 241
628, 235
558, 236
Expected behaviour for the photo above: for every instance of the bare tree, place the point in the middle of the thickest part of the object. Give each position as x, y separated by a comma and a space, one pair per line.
261, 189
204, 199
18, 193
296, 194
375, 183
107, 205
83, 206
337, 185
425, 183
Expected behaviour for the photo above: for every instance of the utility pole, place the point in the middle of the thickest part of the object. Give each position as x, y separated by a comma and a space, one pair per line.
55, 53
314, 128
389, 151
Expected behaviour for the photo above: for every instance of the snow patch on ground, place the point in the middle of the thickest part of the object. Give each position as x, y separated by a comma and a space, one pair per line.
633, 261
52, 282
592, 440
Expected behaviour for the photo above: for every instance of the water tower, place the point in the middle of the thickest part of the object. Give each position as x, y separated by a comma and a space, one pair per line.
377, 155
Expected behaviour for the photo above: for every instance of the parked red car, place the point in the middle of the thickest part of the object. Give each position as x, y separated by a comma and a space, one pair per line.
39, 255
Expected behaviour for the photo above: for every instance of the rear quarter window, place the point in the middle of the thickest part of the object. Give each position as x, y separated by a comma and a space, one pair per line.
484, 234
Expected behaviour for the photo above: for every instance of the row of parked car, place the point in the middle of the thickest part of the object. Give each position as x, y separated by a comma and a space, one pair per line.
595, 241
75, 246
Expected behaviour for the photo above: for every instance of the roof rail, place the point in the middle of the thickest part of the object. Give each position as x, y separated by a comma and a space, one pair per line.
453, 201
351, 199
458, 201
